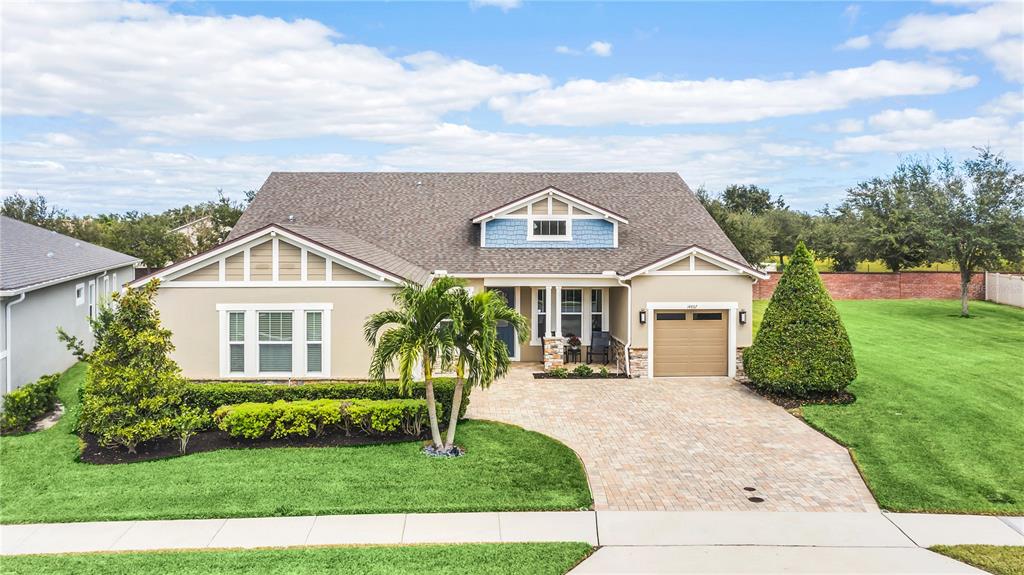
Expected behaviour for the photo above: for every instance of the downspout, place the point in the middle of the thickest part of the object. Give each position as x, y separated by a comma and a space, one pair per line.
7, 341
629, 321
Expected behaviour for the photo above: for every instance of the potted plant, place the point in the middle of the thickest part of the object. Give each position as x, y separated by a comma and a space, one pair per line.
573, 342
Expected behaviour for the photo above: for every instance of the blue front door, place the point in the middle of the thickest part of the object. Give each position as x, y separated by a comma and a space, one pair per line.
506, 332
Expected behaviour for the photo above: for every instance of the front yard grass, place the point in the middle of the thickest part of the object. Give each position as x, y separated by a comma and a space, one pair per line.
937, 424
996, 559
478, 559
506, 469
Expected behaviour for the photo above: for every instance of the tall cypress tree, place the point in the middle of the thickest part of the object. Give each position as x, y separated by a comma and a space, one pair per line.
802, 347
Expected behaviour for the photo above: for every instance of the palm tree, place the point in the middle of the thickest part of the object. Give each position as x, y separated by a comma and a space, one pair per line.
421, 329
482, 356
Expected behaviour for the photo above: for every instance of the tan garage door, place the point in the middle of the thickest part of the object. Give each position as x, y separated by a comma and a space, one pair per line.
690, 342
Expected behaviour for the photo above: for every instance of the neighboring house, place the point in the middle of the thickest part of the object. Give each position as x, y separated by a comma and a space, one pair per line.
49, 280
633, 254
191, 230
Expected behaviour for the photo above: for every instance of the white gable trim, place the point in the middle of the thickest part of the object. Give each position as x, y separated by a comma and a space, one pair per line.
729, 267
274, 233
549, 193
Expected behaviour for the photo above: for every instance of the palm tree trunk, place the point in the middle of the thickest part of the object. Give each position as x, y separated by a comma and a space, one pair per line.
453, 419
435, 431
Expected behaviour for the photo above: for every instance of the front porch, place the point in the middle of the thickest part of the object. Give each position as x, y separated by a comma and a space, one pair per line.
571, 322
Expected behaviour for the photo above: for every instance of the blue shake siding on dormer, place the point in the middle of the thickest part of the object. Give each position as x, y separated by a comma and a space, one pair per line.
511, 233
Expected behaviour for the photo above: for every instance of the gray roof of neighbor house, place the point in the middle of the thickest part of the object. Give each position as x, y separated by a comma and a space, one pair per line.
31, 256
424, 219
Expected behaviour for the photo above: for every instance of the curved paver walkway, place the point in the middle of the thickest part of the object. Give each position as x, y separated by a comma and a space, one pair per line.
684, 444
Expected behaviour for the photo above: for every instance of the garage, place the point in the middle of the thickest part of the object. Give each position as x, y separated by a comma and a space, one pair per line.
691, 342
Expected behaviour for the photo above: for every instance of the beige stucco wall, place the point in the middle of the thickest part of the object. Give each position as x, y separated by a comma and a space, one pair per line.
713, 288
618, 306
191, 315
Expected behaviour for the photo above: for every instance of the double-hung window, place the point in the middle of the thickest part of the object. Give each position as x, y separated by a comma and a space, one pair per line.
275, 341
596, 310
314, 341
236, 342
572, 313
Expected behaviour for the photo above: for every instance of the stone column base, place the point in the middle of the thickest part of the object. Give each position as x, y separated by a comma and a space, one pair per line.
554, 352
638, 361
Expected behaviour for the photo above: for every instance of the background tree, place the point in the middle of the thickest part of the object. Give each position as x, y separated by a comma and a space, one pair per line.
145, 236
750, 198
787, 228
36, 211
802, 348
748, 232
892, 226
481, 357
419, 331
833, 236
975, 215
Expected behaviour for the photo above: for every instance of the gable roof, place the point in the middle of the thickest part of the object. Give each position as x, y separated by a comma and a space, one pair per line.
361, 254
31, 257
425, 218
554, 192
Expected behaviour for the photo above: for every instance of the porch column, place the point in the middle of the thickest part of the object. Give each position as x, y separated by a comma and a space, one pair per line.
554, 345
557, 311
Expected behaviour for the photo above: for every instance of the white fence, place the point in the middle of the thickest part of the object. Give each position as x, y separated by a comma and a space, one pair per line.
1005, 288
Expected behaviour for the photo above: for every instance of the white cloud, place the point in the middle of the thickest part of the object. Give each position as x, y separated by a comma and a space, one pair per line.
902, 119
1008, 57
856, 43
851, 13
566, 50
599, 48
652, 102
993, 29
849, 126
1008, 104
150, 71
505, 5
946, 32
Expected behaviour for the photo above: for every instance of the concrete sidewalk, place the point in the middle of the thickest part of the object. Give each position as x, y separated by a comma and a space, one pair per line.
631, 542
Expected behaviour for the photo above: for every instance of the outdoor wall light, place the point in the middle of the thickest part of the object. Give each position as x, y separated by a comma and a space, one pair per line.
643, 316
743, 317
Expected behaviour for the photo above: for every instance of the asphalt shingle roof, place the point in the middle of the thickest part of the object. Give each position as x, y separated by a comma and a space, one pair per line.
424, 219
24, 259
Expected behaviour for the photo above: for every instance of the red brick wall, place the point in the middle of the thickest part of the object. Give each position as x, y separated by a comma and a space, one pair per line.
904, 285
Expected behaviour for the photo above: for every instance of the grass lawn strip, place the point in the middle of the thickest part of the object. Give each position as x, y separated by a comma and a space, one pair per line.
480, 559
507, 469
937, 422
996, 559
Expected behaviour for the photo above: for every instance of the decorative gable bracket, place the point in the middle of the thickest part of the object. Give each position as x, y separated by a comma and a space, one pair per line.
526, 206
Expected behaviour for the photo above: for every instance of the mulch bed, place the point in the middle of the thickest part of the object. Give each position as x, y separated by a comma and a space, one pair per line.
215, 440
787, 402
571, 375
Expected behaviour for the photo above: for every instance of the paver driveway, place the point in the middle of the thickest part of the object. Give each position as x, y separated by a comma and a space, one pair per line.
681, 443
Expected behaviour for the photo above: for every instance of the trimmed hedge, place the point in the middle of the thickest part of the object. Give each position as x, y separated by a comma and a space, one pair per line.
802, 348
28, 403
212, 395
306, 417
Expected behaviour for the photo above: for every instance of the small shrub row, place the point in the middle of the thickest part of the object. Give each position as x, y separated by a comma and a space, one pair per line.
307, 417
28, 403
212, 395
581, 370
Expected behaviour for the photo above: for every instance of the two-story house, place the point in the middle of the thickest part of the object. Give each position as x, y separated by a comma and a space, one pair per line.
634, 255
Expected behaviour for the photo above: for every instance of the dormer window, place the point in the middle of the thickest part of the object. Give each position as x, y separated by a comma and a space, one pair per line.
549, 229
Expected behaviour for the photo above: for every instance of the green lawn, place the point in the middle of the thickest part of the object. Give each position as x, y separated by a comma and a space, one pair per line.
938, 422
992, 558
506, 469
480, 559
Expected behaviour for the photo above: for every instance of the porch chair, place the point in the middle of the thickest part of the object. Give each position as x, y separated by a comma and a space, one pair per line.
600, 342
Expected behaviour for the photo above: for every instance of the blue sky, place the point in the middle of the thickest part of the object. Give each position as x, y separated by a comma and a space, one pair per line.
119, 105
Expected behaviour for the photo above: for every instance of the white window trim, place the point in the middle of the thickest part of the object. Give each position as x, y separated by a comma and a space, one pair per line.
585, 337
530, 237
252, 339
732, 308
91, 298
305, 315
80, 294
